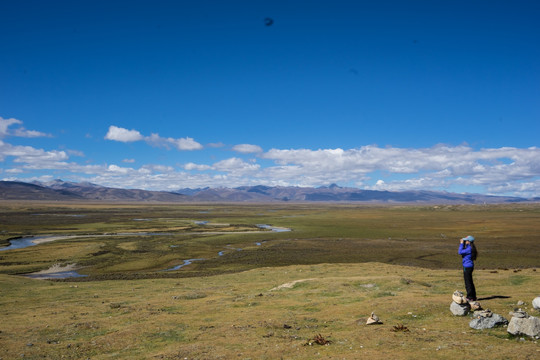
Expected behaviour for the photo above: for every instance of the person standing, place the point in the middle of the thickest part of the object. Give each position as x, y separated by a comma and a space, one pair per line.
468, 252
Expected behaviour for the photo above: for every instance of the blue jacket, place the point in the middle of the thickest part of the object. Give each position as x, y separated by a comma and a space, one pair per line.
465, 253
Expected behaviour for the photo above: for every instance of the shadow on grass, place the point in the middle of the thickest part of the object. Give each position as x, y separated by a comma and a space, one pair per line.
494, 297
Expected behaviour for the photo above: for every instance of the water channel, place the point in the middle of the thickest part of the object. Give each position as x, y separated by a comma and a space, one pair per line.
27, 241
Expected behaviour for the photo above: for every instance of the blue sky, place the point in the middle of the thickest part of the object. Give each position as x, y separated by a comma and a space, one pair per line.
162, 95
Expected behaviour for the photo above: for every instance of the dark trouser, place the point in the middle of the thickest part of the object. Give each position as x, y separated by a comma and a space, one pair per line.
469, 284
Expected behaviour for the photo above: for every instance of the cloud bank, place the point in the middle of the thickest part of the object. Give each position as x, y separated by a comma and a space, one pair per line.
461, 168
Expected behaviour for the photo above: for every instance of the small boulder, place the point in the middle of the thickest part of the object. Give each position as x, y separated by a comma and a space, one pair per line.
485, 319
536, 303
460, 309
523, 324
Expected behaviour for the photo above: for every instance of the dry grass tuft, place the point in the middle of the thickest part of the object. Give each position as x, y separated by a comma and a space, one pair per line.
400, 327
318, 340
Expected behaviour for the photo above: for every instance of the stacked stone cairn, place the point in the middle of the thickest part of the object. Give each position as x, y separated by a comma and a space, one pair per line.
521, 324
459, 306
482, 319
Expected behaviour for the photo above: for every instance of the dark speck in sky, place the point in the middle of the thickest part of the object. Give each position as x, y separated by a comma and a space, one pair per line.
268, 21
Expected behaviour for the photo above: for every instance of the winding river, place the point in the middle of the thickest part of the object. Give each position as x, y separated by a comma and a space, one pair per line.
27, 241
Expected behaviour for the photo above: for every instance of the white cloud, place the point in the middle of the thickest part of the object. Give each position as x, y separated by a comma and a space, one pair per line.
235, 165
247, 148
5, 123
129, 161
117, 169
181, 144
124, 135
193, 166
28, 154
158, 168
116, 133
20, 131
14, 171
186, 144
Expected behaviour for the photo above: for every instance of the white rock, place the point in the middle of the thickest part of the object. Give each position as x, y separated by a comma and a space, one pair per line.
529, 326
536, 303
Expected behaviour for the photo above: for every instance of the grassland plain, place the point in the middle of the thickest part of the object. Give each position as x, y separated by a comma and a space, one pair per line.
341, 261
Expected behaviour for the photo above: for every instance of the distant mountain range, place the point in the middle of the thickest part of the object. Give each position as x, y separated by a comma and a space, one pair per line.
62, 190
59, 190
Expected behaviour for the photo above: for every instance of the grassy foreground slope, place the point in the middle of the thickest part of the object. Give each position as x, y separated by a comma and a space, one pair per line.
249, 316
269, 293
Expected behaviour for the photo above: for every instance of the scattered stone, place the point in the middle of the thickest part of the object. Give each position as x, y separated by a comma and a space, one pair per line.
459, 298
460, 309
373, 319
520, 303
536, 303
483, 313
519, 314
523, 324
475, 305
485, 319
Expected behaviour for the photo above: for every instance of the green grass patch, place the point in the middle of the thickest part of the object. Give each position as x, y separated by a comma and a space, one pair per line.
518, 279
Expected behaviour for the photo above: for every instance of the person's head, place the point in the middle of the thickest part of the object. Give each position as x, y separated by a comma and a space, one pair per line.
469, 240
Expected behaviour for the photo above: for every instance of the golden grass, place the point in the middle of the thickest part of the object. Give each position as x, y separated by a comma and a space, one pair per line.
241, 316
340, 263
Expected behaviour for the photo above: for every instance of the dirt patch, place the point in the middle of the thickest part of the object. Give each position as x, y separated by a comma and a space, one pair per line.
289, 285
57, 268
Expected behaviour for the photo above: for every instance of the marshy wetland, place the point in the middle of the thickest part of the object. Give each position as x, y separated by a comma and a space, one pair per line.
206, 281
